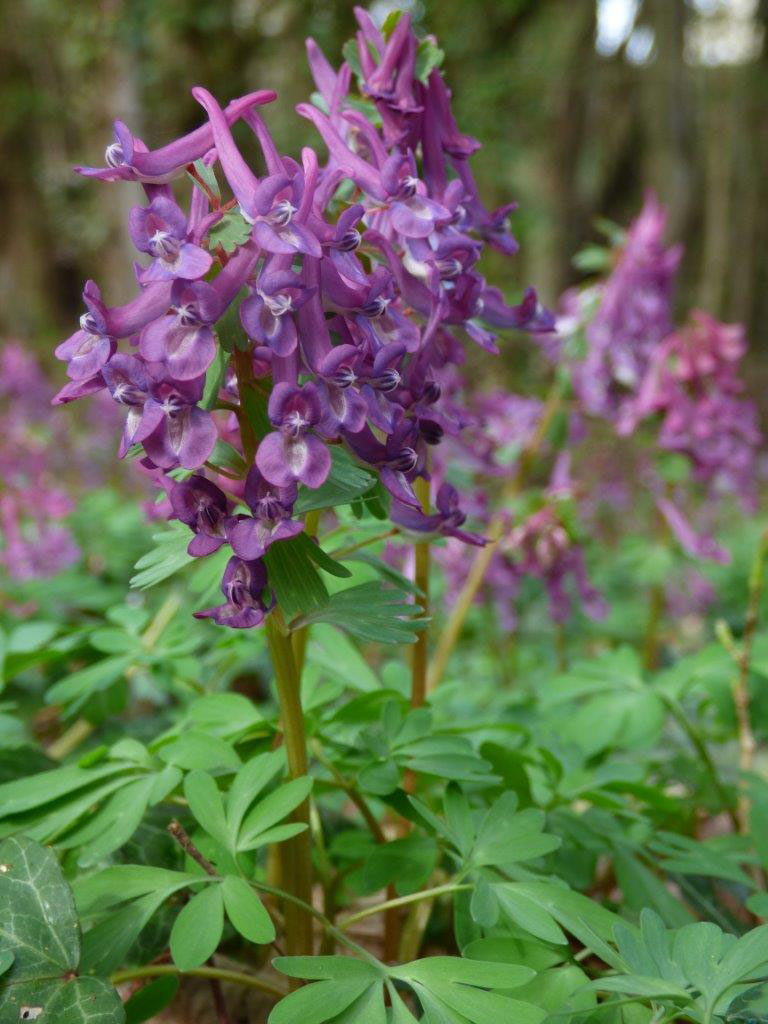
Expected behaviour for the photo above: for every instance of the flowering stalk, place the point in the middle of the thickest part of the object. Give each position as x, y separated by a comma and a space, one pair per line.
297, 863
420, 654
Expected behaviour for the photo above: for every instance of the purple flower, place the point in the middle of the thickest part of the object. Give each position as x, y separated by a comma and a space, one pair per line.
357, 386
698, 545
266, 314
128, 159
291, 453
183, 341
272, 508
542, 547
88, 349
160, 229
242, 586
270, 205
632, 319
162, 415
203, 507
447, 520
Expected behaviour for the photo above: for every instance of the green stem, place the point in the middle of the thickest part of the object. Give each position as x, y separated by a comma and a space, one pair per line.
301, 636
350, 550
329, 927
699, 745
214, 973
352, 792
297, 852
404, 901
656, 602
420, 653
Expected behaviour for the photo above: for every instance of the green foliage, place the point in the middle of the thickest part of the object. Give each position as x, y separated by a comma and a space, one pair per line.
40, 944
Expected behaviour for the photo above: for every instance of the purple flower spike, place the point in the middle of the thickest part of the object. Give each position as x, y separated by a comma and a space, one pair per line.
266, 314
160, 229
271, 507
242, 586
200, 504
293, 454
129, 160
183, 341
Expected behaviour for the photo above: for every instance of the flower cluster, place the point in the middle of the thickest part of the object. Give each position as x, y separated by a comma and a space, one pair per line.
632, 316
360, 278
33, 506
636, 369
694, 385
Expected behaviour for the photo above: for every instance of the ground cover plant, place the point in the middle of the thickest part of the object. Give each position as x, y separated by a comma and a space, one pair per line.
385, 696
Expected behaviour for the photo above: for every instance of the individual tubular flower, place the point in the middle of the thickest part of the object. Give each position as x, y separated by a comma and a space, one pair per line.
292, 454
267, 314
271, 508
447, 520
242, 585
87, 350
160, 229
183, 341
204, 508
128, 159
162, 415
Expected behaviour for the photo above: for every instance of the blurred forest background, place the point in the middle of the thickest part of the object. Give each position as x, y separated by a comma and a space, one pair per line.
580, 105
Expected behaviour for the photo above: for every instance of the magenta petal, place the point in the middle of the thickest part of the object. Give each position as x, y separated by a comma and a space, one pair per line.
189, 351
247, 538
89, 355
272, 460
410, 222
301, 239
153, 338
314, 461
196, 438
266, 237
202, 545
150, 419
192, 262
283, 339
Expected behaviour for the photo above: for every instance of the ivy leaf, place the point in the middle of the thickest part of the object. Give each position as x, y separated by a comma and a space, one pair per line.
197, 930
339, 982
40, 932
346, 481
352, 57
225, 456
322, 560
371, 612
